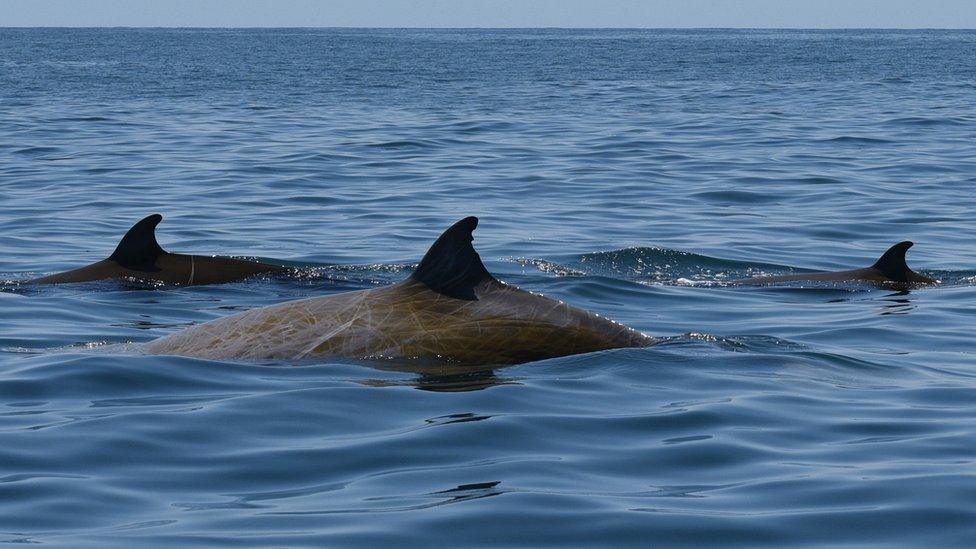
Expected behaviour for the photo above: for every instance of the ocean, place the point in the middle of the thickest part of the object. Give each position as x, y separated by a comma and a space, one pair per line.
633, 173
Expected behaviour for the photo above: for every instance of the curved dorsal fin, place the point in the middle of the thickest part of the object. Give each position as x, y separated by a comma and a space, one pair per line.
138, 249
892, 264
451, 266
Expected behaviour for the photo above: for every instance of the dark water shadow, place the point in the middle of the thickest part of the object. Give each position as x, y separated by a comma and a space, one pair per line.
897, 303
439, 377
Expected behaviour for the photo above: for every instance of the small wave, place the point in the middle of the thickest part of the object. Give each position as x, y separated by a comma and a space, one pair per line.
37, 150
374, 274
549, 267
735, 197
895, 80
669, 266
855, 139
634, 145
952, 278
480, 126
817, 180
404, 144
925, 121
86, 119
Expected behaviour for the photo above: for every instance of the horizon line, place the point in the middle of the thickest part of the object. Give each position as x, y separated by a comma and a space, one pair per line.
356, 27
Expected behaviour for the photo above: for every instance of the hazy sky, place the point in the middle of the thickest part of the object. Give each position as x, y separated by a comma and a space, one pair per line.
491, 13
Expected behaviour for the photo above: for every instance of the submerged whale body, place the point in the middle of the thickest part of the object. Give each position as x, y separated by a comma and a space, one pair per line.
139, 256
449, 308
890, 268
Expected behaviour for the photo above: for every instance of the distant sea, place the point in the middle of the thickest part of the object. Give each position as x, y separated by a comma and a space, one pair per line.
629, 172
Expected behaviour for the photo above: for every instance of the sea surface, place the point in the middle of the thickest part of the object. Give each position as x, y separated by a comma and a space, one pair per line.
633, 173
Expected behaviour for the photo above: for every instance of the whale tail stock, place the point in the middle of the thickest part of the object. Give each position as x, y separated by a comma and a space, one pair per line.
138, 249
451, 266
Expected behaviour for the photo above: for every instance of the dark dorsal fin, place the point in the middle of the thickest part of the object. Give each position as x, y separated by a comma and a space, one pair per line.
138, 249
451, 266
892, 263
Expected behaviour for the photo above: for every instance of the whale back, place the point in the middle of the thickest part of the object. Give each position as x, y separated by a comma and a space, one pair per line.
503, 325
450, 309
139, 256
890, 267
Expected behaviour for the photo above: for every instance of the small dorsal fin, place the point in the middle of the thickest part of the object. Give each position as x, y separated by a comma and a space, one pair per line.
892, 264
452, 266
138, 249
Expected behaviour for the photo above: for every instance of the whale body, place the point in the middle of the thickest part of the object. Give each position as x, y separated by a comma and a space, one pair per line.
139, 256
890, 268
450, 308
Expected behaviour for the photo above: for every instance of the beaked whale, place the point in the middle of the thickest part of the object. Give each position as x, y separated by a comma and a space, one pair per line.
139, 256
889, 269
450, 308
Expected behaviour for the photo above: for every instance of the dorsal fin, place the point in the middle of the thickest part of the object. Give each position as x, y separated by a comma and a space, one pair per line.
451, 266
138, 249
892, 264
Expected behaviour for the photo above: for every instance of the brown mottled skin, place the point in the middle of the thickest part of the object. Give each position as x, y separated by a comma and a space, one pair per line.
450, 308
504, 325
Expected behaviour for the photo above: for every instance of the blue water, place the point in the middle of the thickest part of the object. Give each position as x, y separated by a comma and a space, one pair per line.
632, 173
